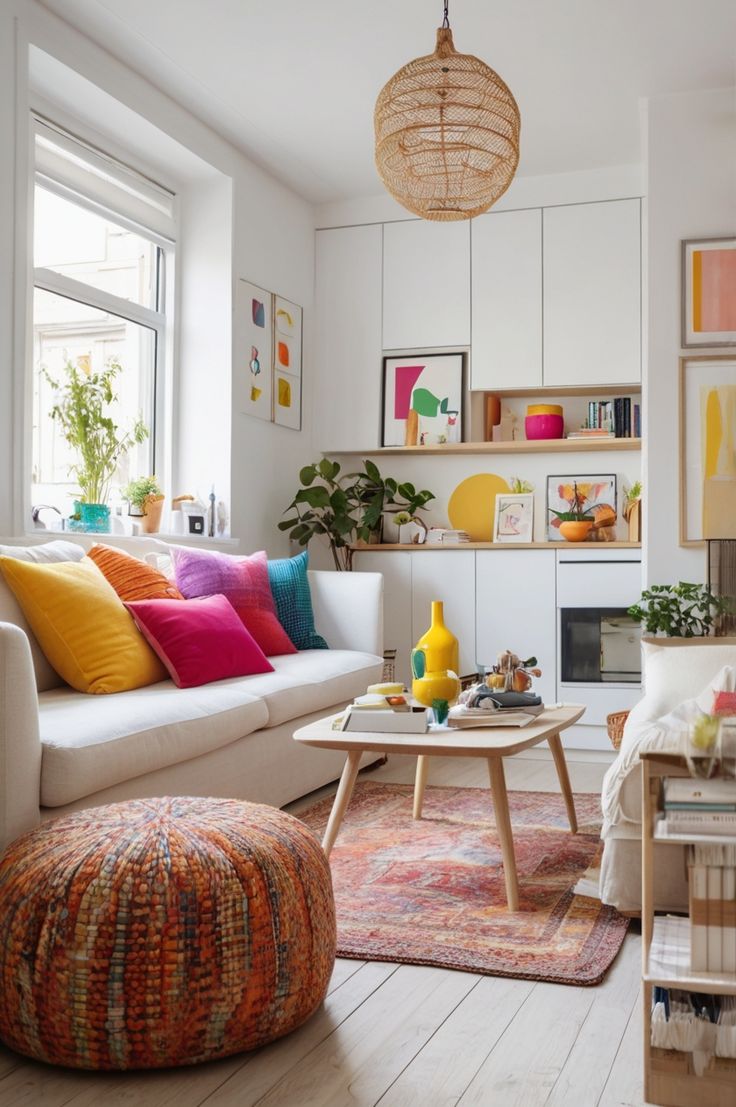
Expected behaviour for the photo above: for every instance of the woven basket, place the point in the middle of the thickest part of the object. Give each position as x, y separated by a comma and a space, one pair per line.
615, 723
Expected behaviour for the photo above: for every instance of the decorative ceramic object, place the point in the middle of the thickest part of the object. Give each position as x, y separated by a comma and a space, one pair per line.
93, 518
472, 506
544, 421
575, 530
152, 508
435, 661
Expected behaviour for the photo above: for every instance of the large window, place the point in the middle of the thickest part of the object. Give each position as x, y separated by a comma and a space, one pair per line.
103, 247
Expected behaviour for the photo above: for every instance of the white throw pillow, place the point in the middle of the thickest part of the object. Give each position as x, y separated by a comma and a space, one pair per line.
621, 794
10, 612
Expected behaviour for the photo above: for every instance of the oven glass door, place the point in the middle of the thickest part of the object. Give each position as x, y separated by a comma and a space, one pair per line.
599, 645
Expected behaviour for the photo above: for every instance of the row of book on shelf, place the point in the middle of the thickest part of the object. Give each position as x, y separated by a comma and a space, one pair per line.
618, 418
707, 808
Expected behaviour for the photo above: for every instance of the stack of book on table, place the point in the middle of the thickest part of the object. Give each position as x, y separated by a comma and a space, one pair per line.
497, 709
384, 714
443, 536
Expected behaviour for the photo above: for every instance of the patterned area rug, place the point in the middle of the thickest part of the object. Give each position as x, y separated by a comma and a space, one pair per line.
432, 892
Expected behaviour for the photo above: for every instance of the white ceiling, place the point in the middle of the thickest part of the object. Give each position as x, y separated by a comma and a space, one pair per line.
292, 83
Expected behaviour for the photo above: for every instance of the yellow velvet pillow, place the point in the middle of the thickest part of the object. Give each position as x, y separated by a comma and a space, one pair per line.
82, 626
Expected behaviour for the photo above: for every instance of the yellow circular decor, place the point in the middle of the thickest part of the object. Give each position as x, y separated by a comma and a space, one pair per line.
472, 505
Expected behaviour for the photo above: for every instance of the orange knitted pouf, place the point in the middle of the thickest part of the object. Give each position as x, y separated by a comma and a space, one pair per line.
162, 932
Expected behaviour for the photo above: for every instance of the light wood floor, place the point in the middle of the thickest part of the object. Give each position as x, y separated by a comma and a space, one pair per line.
401, 1035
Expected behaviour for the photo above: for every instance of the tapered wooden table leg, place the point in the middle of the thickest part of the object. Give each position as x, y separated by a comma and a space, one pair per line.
420, 783
558, 755
503, 824
342, 799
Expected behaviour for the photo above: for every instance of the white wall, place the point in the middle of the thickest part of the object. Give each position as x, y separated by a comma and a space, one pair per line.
690, 166
272, 244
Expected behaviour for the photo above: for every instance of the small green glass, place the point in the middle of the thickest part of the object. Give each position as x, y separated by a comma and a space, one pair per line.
440, 709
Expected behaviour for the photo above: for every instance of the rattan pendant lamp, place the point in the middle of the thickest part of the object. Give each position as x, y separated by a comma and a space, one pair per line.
447, 133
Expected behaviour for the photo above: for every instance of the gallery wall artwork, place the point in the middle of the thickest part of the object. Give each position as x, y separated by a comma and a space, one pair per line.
287, 363
422, 400
709, 292
707, 448
514, 519
268, 375
597, 492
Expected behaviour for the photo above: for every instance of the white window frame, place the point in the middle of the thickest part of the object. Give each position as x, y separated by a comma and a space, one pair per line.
159, 320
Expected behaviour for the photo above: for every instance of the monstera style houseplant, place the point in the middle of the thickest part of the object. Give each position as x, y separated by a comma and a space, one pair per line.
346, 508
84, 402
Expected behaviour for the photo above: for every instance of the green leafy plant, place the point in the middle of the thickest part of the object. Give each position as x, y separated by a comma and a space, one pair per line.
521, 487
347, 507
83, 410
679, 610
137, 491
631, 495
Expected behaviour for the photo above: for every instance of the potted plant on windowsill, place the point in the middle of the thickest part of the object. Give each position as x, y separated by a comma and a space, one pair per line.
83, 409
347, 509
146, 496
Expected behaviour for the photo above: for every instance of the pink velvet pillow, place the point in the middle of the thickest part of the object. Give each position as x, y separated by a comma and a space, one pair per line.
199, 641
245, 583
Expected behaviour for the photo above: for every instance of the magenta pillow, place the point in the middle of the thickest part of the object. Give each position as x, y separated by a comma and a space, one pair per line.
199, 641
245, 583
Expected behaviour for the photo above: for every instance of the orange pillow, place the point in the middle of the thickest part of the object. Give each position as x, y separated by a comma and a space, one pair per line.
132, 579
82, 625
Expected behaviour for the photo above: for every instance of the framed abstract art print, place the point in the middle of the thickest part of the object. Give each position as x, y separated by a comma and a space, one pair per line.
709, 292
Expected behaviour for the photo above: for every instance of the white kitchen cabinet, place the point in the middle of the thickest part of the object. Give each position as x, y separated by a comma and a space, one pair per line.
347, 361
426, 284
515, 610
450, 577
396, 568
592, 293
506, 298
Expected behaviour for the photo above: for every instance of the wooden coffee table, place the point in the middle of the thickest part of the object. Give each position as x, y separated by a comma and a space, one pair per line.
491, 743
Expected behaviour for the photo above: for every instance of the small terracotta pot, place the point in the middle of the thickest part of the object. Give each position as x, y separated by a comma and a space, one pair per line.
575, 530
151, 520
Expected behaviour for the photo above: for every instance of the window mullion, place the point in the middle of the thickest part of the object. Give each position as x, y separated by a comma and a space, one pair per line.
95, 297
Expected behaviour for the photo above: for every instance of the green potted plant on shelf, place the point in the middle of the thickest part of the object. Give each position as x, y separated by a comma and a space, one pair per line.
679, 610
347, 508
83, 408
146, 496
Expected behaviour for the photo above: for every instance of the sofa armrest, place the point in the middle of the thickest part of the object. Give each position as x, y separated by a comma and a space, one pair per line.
348, 609
20, 744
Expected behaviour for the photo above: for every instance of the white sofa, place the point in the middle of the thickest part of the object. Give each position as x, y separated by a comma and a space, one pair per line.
674, 670
61, 750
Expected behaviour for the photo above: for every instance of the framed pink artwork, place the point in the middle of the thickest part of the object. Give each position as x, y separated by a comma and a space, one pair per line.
708, 292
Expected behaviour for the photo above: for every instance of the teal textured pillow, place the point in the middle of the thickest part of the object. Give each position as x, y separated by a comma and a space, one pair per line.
290, 588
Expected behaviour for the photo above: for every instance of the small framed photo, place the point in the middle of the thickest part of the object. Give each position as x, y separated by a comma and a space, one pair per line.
514, 519
422, 400
595, 491
708, 292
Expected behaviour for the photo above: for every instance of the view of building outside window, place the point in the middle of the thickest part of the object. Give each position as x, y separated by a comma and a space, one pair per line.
84, 247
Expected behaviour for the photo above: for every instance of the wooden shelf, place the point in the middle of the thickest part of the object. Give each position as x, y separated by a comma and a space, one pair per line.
668, 964
387, 547
536, 446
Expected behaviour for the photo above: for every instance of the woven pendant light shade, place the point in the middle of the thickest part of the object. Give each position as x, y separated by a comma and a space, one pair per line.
447, 134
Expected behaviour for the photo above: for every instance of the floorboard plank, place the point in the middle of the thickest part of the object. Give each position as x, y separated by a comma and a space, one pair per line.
357, 1063
624, 1087
526, 1061
445, 1066
269, 1065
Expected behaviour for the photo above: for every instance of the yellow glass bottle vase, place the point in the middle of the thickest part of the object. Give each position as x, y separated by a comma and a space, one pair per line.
435, 661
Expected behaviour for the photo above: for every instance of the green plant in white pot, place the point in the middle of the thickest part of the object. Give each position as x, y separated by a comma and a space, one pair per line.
84, 403
145, 500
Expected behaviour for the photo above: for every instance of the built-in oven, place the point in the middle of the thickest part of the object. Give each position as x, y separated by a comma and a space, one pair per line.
599, 645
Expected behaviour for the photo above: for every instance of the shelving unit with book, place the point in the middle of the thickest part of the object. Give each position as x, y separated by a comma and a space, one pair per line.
670, 1076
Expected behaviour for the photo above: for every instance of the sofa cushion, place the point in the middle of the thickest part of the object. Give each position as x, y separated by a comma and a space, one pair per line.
94, 742
292, 595
10, 610
244, 581
82, 626
312, 680
132, 578
199, 641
